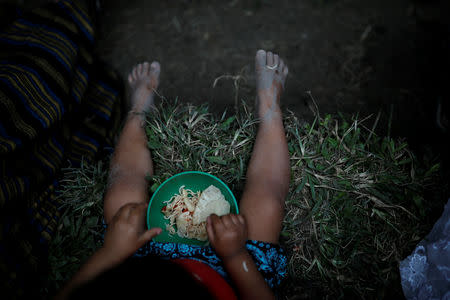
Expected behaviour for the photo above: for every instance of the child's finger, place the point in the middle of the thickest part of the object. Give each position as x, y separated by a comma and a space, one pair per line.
149, 234
235, 219
227, 221
216, 223
140, 208
241, 219
128, 210
209, 229
138, 212
123, 212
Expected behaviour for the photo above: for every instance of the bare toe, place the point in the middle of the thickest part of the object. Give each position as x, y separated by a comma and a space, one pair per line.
260, 59
145, 68
155, 68
276, 60
280, 66
269, 59
134, 73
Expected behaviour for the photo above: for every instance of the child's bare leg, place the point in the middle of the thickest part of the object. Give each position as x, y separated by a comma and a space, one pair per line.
132, 160
268, 173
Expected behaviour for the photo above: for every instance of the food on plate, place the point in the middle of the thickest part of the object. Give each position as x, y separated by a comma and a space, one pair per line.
188, 210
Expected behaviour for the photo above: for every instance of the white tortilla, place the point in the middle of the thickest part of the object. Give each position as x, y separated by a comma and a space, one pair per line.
211, 202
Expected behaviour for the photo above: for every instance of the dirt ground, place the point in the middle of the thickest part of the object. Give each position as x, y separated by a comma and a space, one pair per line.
352, 56
355, 57
199, 41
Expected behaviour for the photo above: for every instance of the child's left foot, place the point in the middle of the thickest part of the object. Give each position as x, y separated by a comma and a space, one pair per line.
143, 80
271, 72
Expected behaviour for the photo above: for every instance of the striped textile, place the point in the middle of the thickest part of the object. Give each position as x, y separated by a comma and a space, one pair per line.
58, 106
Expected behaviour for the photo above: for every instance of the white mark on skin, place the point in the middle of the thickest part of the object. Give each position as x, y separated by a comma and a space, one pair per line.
244, 266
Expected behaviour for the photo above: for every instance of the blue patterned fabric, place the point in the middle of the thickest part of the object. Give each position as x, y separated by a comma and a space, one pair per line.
269, 258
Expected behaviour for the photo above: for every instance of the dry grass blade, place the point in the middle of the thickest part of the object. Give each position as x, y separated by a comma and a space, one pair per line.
351, 212
355, 205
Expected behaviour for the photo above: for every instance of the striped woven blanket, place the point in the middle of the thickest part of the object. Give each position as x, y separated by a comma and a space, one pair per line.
58, 106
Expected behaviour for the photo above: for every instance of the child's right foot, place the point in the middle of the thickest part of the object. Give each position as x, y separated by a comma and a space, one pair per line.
143, 80
271, 75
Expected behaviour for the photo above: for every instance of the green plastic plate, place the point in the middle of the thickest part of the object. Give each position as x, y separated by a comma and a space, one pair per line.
193, 180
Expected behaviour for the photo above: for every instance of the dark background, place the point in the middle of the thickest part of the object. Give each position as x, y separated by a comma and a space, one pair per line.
366, 57
355, 57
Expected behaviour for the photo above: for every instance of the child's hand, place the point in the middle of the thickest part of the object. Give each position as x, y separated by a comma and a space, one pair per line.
126, 233
227, 234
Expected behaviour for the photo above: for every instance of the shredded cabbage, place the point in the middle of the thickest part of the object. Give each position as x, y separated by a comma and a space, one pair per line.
179, 211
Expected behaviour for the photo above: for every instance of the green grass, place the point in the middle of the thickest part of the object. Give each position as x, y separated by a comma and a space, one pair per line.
185, 138
355, 207
80, 229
